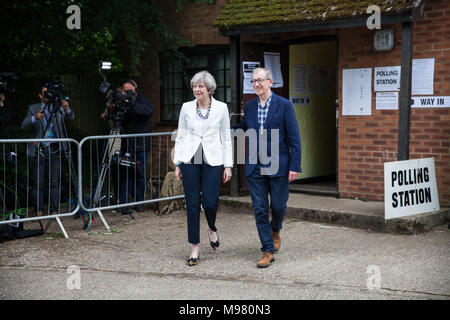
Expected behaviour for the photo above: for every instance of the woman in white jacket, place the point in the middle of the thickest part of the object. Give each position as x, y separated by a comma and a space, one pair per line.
202, 147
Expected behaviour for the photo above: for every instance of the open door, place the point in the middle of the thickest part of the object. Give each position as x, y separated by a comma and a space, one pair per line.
312, 91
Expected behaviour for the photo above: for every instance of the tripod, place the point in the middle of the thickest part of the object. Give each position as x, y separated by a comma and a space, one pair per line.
55, 121
112, 147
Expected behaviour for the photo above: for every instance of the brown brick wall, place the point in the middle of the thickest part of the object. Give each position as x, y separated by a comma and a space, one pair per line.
366, 142
194, 21
194, 24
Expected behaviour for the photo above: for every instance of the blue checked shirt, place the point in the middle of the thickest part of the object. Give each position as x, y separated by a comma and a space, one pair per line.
262, 112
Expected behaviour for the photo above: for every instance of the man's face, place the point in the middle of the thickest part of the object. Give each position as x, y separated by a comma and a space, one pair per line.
128, 86
42, 95
261, 85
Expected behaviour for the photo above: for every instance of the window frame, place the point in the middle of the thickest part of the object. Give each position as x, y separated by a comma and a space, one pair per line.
186, 73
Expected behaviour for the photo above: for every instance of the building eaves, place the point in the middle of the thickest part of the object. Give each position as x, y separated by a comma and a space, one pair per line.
242, 14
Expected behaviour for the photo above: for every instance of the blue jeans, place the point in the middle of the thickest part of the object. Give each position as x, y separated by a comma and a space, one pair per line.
132, 180
205, 179
260, 186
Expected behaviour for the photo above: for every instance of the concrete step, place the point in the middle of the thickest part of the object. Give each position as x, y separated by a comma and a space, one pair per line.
348, 212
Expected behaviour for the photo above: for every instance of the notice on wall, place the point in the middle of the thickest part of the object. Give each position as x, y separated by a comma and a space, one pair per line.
410, 188
300, 101
248, 67
387, 78
272, 62
299, 79
431, 102
357, 92
387, 100
422, 76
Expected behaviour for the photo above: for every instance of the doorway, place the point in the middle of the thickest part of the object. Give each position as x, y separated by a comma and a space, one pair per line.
313, 93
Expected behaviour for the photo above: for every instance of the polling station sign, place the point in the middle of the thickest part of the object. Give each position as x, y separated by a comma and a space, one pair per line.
410, 188
387, 78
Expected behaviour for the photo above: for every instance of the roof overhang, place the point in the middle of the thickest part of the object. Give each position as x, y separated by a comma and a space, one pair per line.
414, 14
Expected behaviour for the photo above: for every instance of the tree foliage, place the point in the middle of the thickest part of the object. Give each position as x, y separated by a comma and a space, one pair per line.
36, 41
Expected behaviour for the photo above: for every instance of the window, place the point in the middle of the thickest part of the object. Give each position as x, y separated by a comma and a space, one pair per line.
175, 87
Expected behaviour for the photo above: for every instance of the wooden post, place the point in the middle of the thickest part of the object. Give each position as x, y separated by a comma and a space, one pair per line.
405, 92
235, 105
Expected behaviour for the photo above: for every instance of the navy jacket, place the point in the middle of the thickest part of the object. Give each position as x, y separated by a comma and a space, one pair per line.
281, 116
138, 120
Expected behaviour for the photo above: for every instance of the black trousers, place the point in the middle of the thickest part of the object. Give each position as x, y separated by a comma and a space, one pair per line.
46, 168
205, 179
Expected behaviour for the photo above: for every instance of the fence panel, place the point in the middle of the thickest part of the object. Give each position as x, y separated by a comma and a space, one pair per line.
38, 180
121, 171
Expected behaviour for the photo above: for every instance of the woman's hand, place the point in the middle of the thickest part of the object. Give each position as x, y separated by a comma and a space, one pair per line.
178, 174
227, 175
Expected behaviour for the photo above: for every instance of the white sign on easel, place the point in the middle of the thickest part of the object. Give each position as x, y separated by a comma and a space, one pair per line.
410, 188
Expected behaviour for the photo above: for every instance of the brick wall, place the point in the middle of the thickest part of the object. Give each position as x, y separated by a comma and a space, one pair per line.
366, 142
194, 24
430, 128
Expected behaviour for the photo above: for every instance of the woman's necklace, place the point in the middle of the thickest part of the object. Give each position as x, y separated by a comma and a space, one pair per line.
207, 113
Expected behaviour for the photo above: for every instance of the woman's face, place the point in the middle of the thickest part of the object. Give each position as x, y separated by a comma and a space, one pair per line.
200, 91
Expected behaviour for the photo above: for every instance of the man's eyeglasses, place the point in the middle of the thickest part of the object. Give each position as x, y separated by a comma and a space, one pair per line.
259, 81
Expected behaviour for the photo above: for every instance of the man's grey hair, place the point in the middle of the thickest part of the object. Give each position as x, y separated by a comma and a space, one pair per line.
267, 72
207, 79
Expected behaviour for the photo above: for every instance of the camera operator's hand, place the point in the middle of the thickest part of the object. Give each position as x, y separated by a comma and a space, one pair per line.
65, 105
2, 100
39, 115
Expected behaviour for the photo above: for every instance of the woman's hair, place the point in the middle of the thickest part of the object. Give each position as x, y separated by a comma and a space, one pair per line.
205, 77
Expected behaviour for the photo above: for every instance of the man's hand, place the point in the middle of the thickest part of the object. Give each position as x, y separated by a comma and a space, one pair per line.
65, 105
2, 100
39, 115
292, 175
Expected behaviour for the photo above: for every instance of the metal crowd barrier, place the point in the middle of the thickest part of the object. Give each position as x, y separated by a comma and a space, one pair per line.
21, 200
106, 166
110, 168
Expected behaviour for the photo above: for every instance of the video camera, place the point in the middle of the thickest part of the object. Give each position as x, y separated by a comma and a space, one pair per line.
6, 77
122, 101
118, 102
55, 93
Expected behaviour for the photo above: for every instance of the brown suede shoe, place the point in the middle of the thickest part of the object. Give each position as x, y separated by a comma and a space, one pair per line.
276, 240
265, 260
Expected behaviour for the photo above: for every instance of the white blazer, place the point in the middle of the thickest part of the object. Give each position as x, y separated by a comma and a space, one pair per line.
215, 138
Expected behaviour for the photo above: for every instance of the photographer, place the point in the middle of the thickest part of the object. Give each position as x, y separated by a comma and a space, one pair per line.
135, 120
4, 113
46, 120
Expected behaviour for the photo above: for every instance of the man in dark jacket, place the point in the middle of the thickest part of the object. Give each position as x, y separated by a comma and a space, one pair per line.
43, 120
4, 115
137, 120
